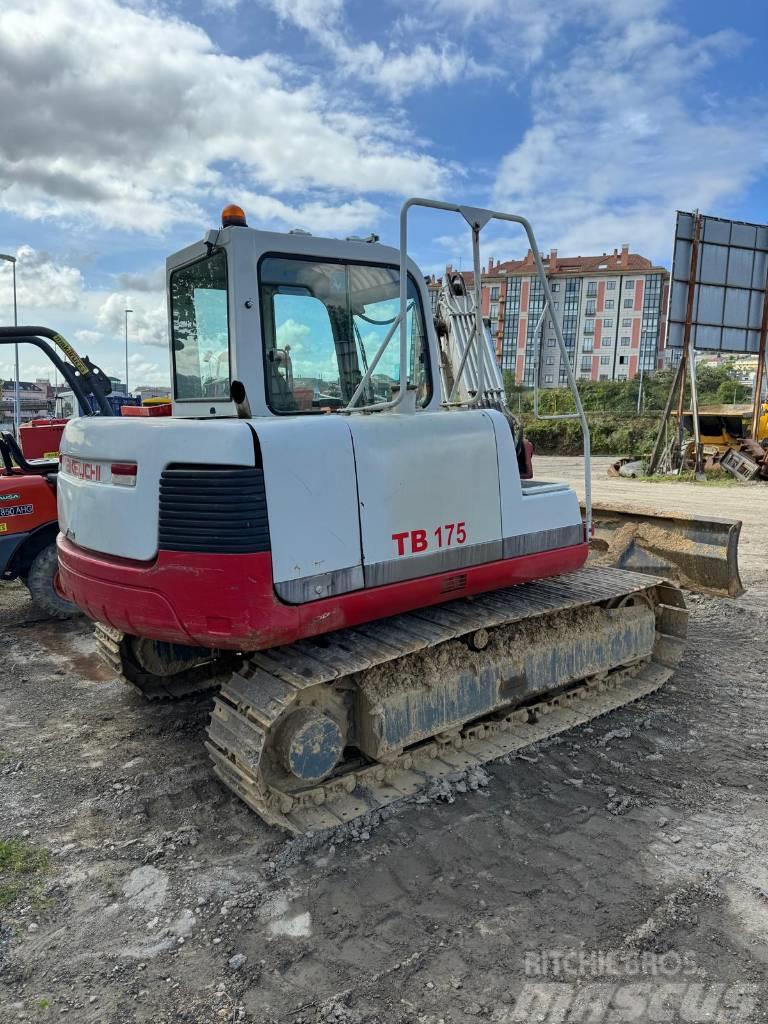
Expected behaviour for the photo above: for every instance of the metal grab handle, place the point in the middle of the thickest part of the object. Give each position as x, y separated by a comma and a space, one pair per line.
477, 218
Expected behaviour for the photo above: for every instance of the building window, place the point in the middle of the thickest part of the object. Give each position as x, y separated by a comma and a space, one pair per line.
623, 360
611, 286
555, 286
625, 339
586, 364
605, 360
629, 284
550, 360
590, 308
609, 303
603, 376
495, 293
589, 326
586, 344
628, 303
621, 376
548, 378
556, 305
608, 323
494, 310
591, 288
627, 322
550, 342
606, 342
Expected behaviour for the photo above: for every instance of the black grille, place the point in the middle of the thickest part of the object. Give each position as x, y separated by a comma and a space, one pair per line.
219, 509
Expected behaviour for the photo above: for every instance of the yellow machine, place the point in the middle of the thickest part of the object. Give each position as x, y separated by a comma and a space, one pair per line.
725, 440
726, 426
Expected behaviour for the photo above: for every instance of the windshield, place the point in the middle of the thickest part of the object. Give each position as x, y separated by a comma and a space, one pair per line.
200, 329
324, 326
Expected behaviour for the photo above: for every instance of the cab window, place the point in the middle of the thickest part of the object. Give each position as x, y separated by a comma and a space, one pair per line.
324, 324
200, 330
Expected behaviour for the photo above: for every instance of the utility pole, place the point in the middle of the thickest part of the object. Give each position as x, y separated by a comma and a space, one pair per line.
127, 311
17, 399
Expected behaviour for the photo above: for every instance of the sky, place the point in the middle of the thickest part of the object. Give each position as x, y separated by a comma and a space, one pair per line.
125, 127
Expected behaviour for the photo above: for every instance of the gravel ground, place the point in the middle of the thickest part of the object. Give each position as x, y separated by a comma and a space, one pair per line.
619, 873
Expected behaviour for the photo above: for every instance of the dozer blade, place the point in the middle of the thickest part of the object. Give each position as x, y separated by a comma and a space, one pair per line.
402, 703
698, 553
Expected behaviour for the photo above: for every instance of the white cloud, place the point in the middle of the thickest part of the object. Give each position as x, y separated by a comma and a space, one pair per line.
291, 332
396, 71
147, 323
136, 112
86, 338
611, 155
319, 217
41, 282
142, 372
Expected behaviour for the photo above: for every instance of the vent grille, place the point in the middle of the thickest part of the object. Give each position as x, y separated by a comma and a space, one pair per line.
217, 509
454, 583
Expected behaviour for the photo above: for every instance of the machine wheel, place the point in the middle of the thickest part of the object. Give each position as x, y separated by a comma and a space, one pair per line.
41, 583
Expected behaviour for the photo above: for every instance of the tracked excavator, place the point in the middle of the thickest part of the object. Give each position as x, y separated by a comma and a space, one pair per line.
337, 528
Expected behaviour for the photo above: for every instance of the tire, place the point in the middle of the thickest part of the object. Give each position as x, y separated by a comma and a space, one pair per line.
41, 583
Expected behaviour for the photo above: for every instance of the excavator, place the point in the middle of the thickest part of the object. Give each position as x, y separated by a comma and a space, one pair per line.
335, 526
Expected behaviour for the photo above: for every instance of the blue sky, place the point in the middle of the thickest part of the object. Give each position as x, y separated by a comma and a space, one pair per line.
126, 127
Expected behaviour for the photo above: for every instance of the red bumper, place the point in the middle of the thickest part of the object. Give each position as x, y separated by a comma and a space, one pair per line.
227, 601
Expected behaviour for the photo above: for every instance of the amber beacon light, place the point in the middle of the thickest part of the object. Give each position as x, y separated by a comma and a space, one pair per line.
233, 216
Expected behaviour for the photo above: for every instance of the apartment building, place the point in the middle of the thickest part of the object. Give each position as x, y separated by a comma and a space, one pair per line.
611, 309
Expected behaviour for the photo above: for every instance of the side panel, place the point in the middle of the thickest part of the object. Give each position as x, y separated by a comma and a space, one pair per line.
429, 493
123, 521
309, 472
535, 516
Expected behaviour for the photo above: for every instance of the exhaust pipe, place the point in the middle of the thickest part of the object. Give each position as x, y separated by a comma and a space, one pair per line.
239, 396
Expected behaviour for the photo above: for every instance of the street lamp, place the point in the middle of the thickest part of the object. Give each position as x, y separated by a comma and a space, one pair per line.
16, 402
127, 311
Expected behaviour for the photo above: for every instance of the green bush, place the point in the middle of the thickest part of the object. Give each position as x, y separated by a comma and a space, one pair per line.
611, 407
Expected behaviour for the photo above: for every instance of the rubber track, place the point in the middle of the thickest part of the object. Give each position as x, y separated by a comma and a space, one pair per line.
250, 704
190, 683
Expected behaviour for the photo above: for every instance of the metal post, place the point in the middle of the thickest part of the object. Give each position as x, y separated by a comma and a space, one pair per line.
695, 413
479, 328
127, 311
17, 397
687, 347
760, 371
662, 435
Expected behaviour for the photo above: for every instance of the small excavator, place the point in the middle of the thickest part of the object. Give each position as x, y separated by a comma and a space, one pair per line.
336, 525
28, 516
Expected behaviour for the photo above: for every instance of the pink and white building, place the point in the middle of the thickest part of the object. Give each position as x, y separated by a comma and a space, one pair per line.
611, 309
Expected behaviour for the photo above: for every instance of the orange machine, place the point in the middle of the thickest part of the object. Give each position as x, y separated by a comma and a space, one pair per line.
28, 526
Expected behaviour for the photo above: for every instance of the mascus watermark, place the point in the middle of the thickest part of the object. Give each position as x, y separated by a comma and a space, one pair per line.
633, 1002
580, 986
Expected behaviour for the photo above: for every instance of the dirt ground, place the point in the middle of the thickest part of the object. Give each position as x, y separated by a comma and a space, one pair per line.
618, 873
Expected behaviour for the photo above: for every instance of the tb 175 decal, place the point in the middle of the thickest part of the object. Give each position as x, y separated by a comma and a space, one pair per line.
413, 542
